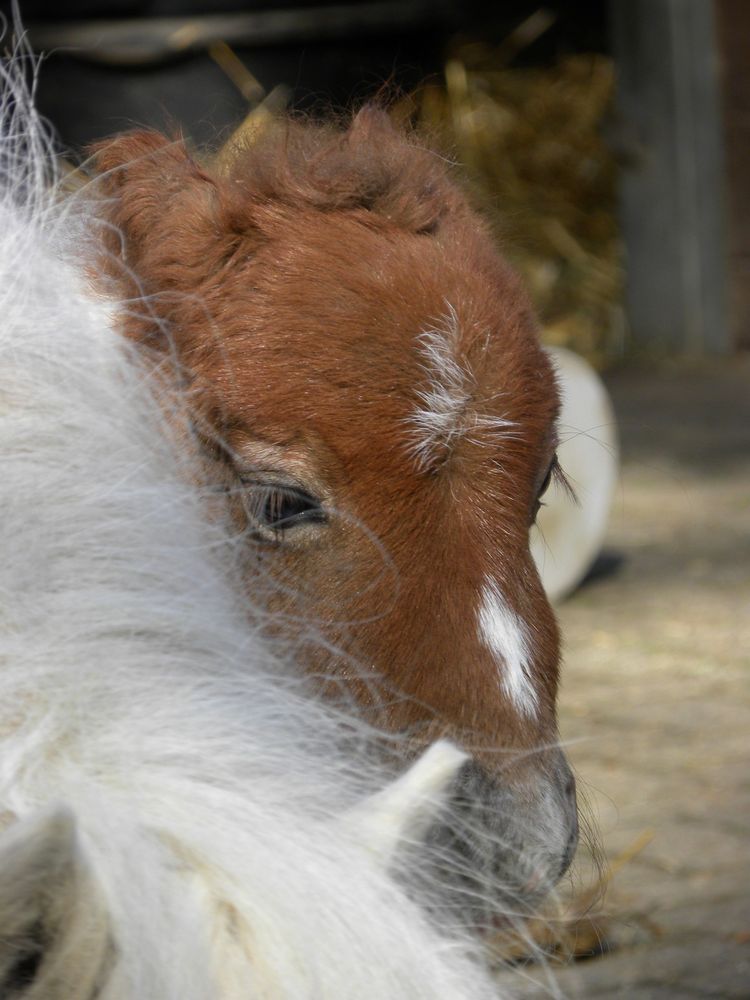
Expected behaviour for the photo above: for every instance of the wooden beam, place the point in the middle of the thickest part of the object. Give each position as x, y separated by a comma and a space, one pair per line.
672, 193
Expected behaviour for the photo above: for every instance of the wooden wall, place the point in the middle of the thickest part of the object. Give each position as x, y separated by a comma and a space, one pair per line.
733, 24
673, 192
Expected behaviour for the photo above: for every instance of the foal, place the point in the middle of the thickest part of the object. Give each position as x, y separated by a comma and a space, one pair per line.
375, 406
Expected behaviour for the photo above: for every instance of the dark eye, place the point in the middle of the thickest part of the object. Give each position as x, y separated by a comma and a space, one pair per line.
547, 479
553, 471
274, 509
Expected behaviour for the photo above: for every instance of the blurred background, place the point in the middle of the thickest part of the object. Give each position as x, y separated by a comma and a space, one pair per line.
608, 143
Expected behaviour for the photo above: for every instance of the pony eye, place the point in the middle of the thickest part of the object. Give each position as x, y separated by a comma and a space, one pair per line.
553, 471
274, 509
547, 479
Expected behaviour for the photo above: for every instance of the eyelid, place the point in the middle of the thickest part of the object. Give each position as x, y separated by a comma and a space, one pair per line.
280, 474
545, 481
312, 513
273, 478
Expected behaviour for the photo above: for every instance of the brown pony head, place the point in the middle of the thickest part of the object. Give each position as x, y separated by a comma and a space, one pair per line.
370, 387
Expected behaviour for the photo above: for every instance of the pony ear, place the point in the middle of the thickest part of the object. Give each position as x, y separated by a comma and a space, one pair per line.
159, 209
401, 813
54, 931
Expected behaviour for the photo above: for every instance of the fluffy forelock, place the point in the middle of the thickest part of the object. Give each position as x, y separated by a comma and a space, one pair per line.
370, 166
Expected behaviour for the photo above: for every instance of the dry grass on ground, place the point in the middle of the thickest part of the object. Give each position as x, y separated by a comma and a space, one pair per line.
656, 698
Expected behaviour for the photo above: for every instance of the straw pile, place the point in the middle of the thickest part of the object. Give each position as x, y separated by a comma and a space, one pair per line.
531, 140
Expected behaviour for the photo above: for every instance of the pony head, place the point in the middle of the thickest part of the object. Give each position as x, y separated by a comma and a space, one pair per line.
377, 411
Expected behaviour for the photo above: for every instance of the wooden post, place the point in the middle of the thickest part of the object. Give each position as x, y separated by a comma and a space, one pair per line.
672, 193
733, 17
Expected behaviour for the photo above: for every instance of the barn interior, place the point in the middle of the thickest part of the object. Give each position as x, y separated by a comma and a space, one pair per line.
607, 143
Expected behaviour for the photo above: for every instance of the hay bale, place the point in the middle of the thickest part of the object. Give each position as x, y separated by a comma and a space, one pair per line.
532, 141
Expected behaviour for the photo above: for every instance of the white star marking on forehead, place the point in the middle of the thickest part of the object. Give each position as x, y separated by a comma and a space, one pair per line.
445, 414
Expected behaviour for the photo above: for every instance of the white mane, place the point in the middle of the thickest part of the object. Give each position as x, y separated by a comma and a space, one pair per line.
181, 818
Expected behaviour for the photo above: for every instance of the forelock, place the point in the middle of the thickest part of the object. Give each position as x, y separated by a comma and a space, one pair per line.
372, 166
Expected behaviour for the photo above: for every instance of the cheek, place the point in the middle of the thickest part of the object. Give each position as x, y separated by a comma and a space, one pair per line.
329, 583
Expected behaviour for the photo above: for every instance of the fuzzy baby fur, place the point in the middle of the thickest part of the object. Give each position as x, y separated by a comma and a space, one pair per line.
182, 819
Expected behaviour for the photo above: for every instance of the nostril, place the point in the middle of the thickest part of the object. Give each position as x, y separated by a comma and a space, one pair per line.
573, 838
570, 787
570, 849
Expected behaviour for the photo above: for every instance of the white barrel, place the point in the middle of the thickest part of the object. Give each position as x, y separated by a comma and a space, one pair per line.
568, 536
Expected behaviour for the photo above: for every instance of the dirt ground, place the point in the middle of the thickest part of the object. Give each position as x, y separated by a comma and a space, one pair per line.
655, 706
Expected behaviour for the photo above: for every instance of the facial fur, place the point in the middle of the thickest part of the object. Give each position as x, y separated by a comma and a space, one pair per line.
353, 340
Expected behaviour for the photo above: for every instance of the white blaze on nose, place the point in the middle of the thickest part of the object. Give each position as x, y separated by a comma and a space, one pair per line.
503, 632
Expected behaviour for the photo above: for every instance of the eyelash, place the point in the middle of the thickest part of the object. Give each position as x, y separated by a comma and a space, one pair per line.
554, 474
559, 477
275, 508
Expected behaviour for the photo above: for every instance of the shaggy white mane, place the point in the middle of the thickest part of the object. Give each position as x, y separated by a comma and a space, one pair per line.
181, 818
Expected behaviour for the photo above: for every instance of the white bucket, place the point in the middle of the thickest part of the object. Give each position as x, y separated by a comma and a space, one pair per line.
568, 536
